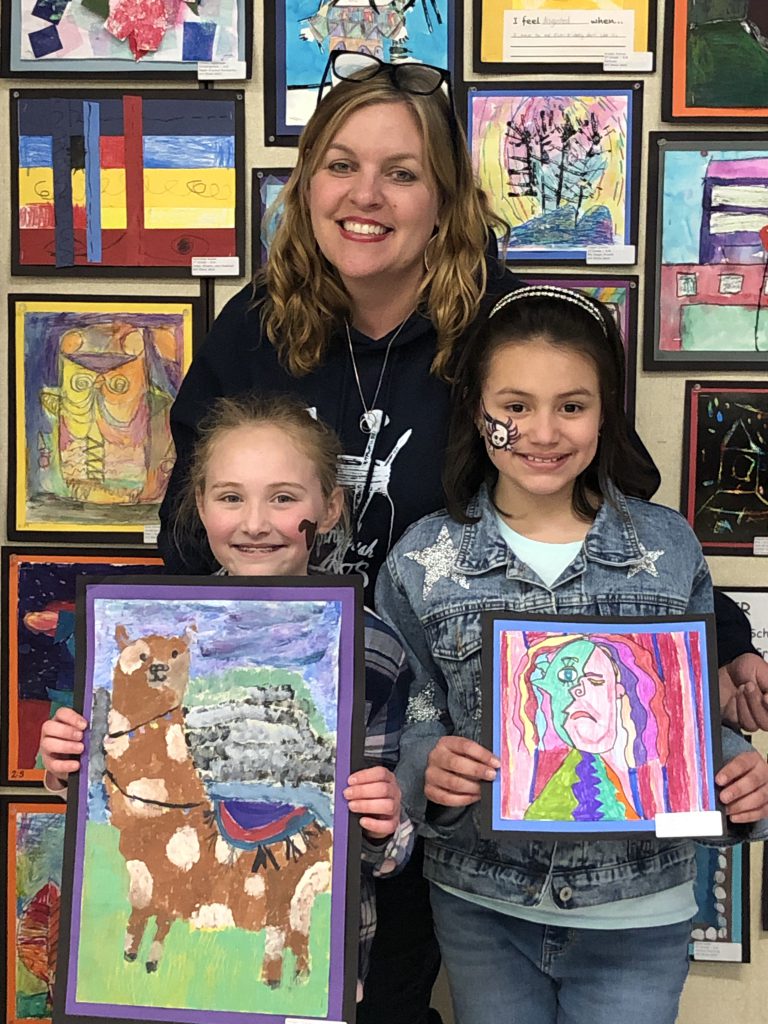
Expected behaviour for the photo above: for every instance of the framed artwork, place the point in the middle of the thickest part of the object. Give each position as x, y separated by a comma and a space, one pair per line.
38, 655
90, 390
620, 296
31, 852
63, 39
116, 183
716, 61
596, 725
560, 165
720, 928
236, 857
265, 188
530, 36
707, 258
753, 601
725, 462
299, 36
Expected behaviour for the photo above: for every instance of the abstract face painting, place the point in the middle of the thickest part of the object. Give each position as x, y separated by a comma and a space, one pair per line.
596, 729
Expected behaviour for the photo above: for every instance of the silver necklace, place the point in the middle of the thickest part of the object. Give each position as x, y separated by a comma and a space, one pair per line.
370, 421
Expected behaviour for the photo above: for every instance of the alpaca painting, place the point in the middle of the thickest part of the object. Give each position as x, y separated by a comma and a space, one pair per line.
597, 725
210, 798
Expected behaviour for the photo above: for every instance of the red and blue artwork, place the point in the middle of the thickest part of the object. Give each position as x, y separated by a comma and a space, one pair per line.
111, 180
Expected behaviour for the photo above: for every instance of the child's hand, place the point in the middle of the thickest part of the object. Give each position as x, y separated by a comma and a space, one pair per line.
744, 692
745, 787
60, 736
374, 794
455, 768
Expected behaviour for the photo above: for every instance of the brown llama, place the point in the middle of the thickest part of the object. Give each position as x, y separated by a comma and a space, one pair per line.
179, 865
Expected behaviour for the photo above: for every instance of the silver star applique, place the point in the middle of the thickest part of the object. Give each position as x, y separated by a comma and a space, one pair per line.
438, 561
646, 564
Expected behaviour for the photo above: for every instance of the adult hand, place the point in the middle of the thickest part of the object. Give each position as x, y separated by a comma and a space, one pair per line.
374, 794
455, 768
744, 692
745, 787
61, 743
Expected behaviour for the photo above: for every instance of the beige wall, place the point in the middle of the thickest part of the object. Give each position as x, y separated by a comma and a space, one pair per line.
713, 992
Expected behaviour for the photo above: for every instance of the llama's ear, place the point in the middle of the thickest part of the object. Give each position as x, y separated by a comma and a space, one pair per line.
191, 633
121, 635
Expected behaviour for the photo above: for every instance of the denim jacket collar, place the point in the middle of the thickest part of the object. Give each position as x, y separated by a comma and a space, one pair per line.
612, 539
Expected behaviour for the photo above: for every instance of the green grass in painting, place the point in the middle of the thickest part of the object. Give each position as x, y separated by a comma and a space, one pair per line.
35, 1007
196, 970
726, 67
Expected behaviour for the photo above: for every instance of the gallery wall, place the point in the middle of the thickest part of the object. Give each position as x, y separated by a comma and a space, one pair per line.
658, 394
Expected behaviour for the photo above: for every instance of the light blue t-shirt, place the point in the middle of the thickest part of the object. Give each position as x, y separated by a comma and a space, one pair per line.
547, 560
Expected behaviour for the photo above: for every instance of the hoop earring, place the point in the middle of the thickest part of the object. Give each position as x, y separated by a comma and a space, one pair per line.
427, 267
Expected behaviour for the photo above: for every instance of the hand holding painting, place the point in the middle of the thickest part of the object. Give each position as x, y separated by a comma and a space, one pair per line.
61, 743
455, 768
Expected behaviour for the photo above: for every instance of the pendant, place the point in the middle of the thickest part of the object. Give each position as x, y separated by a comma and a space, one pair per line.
370, 421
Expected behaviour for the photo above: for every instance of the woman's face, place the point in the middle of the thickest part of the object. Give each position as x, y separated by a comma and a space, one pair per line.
373, 202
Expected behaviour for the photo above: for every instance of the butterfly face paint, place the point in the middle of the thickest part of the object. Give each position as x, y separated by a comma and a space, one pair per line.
501, 436
310, 530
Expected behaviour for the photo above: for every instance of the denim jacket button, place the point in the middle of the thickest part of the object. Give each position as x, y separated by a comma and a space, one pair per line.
565, 893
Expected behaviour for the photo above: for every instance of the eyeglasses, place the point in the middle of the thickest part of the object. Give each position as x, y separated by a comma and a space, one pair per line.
408, 77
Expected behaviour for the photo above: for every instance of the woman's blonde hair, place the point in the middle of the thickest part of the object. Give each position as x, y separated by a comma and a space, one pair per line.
305, 296
314, 438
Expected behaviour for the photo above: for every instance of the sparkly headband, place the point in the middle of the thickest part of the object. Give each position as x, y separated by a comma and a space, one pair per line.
539, 291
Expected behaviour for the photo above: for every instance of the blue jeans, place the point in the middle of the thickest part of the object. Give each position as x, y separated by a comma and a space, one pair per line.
509, 971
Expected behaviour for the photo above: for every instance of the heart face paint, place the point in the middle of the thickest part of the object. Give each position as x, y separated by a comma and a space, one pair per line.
309, 528
502, 437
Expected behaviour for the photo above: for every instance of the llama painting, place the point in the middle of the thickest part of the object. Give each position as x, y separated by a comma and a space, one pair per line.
212, 843
597, 726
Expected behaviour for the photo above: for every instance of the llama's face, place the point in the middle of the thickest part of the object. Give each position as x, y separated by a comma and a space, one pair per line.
161, 662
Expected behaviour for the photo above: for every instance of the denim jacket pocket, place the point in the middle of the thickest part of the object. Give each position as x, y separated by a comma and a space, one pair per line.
455, 640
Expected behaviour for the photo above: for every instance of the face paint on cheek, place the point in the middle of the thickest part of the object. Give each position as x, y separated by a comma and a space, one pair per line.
500, 436
306, 526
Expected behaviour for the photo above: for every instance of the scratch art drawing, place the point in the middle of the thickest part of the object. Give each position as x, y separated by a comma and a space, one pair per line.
211, 839
115, 180
33, 848
67, 37
716, 65
305, 32
708, 251
620, 296
600, 727
559, 35
38, 670
720, 927
557, 165
92, 386
725, 464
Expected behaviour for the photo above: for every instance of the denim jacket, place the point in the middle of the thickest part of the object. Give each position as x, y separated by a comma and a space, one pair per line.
637, 559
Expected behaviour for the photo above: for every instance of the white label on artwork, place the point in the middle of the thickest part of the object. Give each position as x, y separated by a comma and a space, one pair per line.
729, 952
684, 824
760, 546
215, 266
575, 37
754, 604
640, 60
221, 70
151, 533
609, 254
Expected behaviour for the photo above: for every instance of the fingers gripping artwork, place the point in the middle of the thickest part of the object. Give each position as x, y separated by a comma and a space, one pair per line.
601, 728
212, 843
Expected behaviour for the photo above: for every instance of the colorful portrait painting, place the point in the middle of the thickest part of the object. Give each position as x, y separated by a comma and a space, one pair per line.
66, 37
305, 32
106, 181
92, 384
563, 35
707, 257
557, 164
725, 464
716, 65
33, 848
266, 187
600, 729
212, 841
720, 926
620, 296
38, 673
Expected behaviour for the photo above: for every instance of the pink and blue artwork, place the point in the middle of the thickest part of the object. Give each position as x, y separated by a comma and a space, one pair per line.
602, 727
